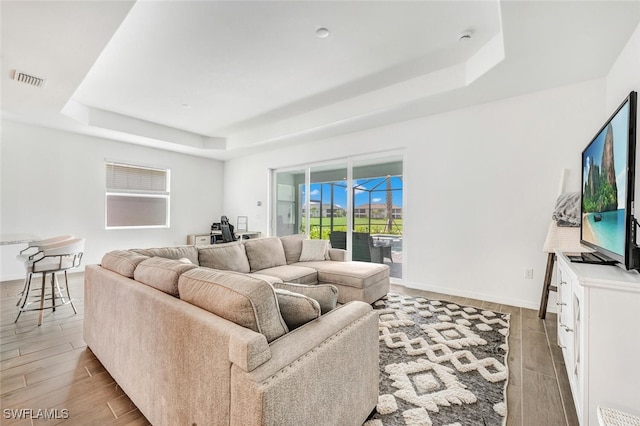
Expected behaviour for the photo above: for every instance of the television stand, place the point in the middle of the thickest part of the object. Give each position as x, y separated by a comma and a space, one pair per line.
597, 332
591, 258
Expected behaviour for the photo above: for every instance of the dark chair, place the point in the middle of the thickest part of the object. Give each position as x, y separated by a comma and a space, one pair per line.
338, 240
362, 247
227, 230
364, 250
385, 245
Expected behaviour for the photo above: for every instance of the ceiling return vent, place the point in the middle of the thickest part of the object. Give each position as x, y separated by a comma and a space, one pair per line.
29, 79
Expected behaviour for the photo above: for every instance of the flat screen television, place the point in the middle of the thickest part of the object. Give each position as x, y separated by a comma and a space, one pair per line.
608, 182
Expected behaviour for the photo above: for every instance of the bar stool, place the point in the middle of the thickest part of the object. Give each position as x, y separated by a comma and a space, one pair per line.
566, 239
53, 258
38, 245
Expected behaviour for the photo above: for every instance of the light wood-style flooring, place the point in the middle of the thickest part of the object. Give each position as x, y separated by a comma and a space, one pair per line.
48, 371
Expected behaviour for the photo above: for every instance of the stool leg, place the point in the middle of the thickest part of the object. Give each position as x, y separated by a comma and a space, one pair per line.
542, 313
66, 283
53, 291
24, 288
44, 286
25, 296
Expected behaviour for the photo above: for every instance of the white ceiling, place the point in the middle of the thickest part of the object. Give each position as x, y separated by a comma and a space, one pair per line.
218, 79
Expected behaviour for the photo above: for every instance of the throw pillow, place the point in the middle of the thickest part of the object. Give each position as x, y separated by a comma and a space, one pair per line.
314, 250
296, 309
325, 294
245, 300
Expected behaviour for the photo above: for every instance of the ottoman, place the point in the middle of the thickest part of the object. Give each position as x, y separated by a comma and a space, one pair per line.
363, 281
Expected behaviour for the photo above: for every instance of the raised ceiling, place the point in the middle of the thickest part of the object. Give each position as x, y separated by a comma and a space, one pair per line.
219, 79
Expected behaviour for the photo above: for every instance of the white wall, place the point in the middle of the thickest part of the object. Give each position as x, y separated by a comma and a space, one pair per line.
53, 183
624, 75
481, 185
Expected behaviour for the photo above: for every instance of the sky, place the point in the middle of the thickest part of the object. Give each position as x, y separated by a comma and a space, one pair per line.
378, 196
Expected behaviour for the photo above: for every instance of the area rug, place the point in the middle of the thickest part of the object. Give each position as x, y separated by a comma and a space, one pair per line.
440, 364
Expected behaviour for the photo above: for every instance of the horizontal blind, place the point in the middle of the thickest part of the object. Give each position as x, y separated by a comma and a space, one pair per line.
136, 196
127, 211
125, 177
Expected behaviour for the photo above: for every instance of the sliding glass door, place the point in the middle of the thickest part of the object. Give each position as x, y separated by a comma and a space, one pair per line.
289, 200
327, 200
355, 203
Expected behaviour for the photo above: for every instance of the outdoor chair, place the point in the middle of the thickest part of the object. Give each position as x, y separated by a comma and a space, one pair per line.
362, 246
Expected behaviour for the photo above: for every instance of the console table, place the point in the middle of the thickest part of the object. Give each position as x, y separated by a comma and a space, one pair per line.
599, 333
205, 239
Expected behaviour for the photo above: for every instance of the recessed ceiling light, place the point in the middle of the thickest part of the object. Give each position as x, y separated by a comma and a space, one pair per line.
322, 32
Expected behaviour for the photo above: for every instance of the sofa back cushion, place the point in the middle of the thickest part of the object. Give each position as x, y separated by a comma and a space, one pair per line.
242, 299
123, 262
176, 253
226, 257
161, 273
292, 245
265, 253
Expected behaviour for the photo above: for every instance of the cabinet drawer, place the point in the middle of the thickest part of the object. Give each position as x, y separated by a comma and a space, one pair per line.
203, 240
199, 240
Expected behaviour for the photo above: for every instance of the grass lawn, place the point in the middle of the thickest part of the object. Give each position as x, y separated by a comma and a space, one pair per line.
378, 226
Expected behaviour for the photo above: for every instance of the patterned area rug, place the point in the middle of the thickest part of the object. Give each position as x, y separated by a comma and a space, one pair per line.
440, 363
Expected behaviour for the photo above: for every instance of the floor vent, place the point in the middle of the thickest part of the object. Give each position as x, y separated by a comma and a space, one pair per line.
28, 79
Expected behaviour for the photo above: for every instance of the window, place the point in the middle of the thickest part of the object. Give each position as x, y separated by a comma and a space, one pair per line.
136, 196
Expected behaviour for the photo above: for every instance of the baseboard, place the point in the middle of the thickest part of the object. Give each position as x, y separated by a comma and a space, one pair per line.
480, 296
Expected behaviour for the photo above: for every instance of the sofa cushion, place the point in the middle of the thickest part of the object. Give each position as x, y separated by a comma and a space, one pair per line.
268, 278
265, 253
123, 262
314, 250
189, 252
292, 274
226, 257
296, 309
325, 294
292, 245
161, 273
350, 274
242, 299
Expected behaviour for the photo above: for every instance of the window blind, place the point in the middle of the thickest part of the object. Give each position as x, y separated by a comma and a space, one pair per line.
136, 196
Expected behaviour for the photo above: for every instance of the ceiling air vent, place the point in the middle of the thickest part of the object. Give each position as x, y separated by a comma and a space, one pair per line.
28, 78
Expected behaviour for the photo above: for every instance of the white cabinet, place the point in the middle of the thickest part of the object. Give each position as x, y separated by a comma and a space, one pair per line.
199, 240
599, 333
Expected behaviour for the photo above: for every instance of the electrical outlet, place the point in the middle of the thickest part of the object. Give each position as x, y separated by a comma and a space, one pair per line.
528, 273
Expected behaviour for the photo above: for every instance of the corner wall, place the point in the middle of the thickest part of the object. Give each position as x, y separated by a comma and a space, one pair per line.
53, 183
481, 185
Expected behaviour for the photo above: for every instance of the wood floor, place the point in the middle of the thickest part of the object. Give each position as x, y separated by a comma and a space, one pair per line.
49, 376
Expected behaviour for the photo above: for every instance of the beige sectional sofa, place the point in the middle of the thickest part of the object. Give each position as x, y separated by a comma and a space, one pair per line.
196, 345
285, 259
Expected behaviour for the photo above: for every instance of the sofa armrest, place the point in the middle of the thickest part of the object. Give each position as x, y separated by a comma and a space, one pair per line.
248, 349
337, 255
333, 358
